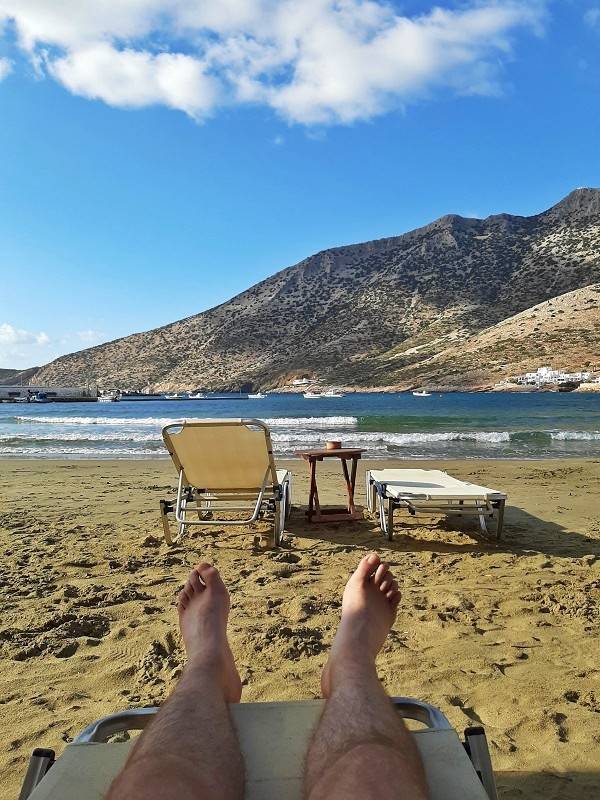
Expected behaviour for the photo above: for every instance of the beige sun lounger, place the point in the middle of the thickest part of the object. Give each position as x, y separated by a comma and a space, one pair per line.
273, 739
430, 491
225, 467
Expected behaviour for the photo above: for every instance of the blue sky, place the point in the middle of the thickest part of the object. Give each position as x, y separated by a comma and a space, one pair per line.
159, 156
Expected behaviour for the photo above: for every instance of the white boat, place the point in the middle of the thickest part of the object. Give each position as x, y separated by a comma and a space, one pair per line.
109, 397
258, 395
312, 395
176, 396
39, 397
422, 393
333, 393
196, 396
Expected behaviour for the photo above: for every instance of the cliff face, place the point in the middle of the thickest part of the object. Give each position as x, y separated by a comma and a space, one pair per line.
367, 315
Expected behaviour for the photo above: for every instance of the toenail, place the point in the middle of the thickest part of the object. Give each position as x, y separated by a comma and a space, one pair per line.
372, 559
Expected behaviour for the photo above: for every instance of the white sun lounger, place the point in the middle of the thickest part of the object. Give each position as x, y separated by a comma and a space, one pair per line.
273, 738
225, 466
430, 491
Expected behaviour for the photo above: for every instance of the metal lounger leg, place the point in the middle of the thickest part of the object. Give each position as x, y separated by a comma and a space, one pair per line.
40, 762
165, 507
477, 748
482, 525
390, 519
500, 521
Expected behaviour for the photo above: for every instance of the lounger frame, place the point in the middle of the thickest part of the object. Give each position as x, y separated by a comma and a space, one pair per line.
216, 482
381, 501
296, 719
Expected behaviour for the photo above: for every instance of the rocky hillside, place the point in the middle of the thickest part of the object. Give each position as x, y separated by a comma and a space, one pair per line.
563, 332
12, 377
377, 314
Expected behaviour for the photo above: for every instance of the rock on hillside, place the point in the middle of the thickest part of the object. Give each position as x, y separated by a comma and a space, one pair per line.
340, 313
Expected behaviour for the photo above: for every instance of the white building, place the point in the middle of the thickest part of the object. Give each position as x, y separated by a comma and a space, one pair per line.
544, 375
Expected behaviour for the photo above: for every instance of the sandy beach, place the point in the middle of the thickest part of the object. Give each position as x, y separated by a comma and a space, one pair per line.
505, 636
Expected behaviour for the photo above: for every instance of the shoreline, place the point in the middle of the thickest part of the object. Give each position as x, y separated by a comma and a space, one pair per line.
502, 635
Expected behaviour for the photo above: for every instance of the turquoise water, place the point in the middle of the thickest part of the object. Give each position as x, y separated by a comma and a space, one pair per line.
456, 425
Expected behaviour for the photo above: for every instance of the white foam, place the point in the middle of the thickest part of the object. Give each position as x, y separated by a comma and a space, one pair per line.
160, 422
489, 437
88, 452
575, 435
311, 422
150, 422
78, 437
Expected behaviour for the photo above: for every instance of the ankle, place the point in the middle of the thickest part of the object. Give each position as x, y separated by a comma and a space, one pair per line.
349, 671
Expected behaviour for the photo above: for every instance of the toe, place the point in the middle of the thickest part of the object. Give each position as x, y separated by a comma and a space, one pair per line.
367, 566
195, 581
395, 601
381, 573
392, 590
183, 600
209, 575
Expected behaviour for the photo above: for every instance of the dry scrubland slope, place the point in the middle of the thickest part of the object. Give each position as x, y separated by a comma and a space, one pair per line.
375, 314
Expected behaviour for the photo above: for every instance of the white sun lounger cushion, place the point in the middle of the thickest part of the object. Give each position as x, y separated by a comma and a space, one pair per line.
273, 739
430, 484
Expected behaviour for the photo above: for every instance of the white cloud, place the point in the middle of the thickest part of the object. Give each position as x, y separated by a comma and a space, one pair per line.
90, 336
136, 79
6, 67
10, 335
312, 61
592, 18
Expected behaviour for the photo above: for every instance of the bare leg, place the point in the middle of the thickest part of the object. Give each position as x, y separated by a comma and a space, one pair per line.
190, 750
361, 747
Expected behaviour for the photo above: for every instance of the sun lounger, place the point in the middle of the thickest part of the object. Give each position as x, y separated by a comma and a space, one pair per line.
430, 491
225, 467
273, 739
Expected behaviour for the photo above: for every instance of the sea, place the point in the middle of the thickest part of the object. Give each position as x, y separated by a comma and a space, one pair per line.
388, 426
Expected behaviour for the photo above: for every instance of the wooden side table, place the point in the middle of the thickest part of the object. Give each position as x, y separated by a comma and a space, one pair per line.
315, 513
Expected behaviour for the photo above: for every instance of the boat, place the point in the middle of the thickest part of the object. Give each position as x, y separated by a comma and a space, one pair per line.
327, 393
196, 396
422, 393
109, 397
141, 396
176, 396
39, 397
257, 396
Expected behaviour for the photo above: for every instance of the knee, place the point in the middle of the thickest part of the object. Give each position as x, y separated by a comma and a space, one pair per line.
366, 768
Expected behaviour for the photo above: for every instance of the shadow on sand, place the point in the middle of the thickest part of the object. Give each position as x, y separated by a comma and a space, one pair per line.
548, 785
523, 534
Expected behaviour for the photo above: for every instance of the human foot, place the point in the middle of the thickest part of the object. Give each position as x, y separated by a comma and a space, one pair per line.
369, 607
203, 607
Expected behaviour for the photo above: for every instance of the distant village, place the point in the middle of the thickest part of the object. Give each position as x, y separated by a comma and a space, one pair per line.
546, 376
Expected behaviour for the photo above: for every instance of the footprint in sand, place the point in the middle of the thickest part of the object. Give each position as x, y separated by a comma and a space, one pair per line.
300, 641
59, 636
162, 662
561, 729
468, 711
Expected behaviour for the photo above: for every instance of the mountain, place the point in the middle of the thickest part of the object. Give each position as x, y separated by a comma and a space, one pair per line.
373, 314
17, 377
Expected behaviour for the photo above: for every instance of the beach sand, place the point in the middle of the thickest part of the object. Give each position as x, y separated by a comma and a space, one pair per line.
505, 636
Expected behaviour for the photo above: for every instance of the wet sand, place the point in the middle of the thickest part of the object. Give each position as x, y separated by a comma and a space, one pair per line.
505, 636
